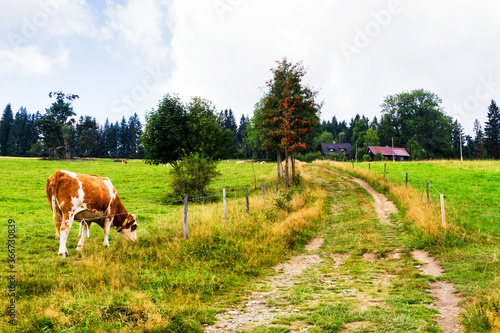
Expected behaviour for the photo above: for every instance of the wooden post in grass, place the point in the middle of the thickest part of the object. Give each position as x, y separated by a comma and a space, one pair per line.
353, 164
277, 187
186, 216
254, 178
443, 214
263, 196
407, 179
224, 201
385, 164
369, 167
427, 189
248, 206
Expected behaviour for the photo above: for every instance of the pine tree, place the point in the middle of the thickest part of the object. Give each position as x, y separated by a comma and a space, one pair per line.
135, 131
478, 139
5, 126
492, 131
23, 134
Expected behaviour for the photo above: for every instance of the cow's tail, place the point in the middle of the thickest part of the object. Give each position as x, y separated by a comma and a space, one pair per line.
51, 189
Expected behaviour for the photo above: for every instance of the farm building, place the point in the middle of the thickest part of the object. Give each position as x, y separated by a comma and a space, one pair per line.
336, 148
399, 154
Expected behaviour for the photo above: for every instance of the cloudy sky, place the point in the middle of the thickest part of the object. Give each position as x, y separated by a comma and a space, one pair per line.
122, 56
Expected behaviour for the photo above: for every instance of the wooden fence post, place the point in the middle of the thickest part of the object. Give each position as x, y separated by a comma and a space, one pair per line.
263, 195
427, 189
248, 206
224, 201
407, 179
353, 164
443, 214
186, 216
385, 165
277, 187
369, 167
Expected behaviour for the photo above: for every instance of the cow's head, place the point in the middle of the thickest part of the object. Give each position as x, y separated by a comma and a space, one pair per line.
128, 228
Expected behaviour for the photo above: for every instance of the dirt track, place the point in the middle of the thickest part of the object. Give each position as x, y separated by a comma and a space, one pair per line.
257, 310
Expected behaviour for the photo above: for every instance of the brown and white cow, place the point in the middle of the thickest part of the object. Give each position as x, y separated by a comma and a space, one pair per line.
87, 198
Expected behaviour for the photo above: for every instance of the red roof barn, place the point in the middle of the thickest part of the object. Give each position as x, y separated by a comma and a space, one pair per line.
399, 154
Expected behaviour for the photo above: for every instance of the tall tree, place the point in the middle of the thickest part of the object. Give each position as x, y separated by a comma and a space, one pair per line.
56, 125
5, 126
134, 133
457, 139
23, 134
479, 140
492, 131
288, 112
176, 130
86, 133
416, 114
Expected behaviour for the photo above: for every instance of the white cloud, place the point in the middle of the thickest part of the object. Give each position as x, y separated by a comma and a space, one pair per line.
138, 27
29, 60
223, 50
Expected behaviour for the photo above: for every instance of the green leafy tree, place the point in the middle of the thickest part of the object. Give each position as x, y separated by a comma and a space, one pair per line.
5, 126
165, 131
56, 125
325, 137
287, 113
416, 114
371, 137
190, 132
492, 131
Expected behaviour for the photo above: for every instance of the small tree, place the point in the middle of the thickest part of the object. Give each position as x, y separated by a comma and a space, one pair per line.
492, 131
193, 175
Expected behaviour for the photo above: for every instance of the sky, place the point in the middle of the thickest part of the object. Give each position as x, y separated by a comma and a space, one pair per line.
122, 56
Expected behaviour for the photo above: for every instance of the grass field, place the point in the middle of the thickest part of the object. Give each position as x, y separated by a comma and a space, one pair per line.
468, 248
163, 282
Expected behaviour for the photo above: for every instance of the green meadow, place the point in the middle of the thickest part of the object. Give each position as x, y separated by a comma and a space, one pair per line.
165, 283
162, 283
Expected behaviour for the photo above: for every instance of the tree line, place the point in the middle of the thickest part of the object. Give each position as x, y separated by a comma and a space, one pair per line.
414, 120
56, 133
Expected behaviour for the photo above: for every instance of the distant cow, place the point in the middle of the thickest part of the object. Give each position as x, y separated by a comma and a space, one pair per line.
240, 162
87, 198
124, 161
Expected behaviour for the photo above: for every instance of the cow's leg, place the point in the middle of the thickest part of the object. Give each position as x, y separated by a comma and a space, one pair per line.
64, 233
107, 226
85, 231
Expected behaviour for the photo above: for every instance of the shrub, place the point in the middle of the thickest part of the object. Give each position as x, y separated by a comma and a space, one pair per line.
193, 174
378, 157
366, 158
309, 157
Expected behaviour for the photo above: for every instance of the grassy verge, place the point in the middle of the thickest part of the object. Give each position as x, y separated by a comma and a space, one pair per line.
163, 283
468, 246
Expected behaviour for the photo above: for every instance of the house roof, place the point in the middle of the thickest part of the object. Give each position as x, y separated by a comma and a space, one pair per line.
336, 147
389, 151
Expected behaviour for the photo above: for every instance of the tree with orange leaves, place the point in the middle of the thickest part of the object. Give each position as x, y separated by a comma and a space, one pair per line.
287, 113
